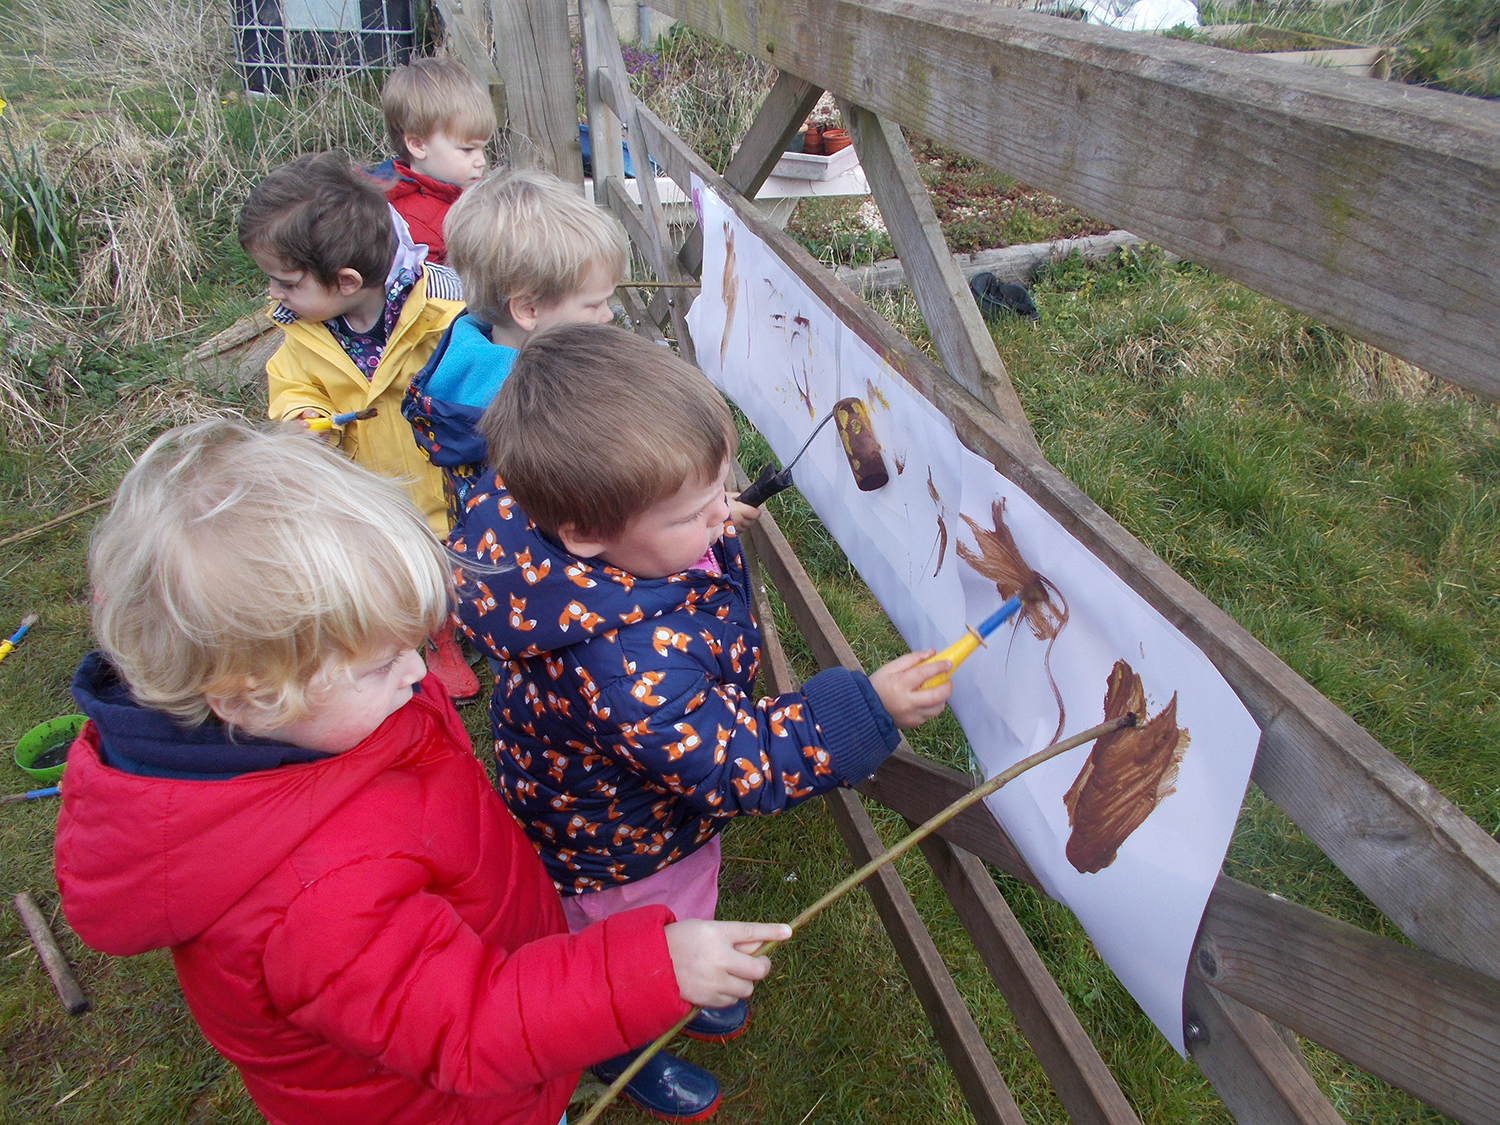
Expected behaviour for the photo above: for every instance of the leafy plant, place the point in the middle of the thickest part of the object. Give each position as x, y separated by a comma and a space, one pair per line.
39, 218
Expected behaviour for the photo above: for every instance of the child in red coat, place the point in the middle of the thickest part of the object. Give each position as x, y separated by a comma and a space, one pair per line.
438, 119
270, 788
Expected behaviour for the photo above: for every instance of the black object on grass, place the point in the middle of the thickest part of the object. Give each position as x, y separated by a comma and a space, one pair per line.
996, 297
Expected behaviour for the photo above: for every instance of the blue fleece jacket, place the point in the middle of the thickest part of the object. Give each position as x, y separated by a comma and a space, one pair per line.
447, 398
626, 734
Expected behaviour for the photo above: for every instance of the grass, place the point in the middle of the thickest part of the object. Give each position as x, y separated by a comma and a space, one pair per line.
1335, 501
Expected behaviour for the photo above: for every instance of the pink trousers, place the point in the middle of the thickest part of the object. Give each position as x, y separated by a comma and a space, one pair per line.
689, 889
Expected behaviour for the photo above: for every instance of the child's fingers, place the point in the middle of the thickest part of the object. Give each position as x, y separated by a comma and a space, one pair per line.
754, 933
910, 660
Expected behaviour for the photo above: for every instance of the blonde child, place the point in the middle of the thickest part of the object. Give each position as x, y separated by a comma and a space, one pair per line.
532, 253
626, 734
438, 120
270, 788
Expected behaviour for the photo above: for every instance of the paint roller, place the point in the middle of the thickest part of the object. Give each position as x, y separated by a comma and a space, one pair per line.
861, 449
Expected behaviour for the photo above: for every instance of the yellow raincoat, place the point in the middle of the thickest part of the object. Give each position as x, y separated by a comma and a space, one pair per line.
310, 371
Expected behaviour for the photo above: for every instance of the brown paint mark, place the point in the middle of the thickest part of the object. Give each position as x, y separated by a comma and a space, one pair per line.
900, 459
802, 321
731, 291
804, 389
1000, 560
942, 526
1128, 773
873, 395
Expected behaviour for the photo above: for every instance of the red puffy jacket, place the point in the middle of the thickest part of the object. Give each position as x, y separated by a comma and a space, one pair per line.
368, 938
422, 201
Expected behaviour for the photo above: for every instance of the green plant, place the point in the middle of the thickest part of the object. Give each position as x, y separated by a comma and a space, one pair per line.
39, 218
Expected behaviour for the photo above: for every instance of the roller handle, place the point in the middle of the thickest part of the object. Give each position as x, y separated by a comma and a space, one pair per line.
771, 481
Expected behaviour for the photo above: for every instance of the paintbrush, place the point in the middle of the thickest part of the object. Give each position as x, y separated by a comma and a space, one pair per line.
7, 646
30, 795
961, 649
890, 855
342, 419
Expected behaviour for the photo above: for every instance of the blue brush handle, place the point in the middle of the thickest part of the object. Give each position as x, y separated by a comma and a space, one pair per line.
33, 794
1000, 616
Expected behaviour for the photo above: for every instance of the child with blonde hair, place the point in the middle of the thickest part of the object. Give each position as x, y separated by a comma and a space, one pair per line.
268, 787
532, 253
439, 120
626, 733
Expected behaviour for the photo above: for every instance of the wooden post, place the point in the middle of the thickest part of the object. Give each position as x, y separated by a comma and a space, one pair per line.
959, 334
605, 134
537, 61
464, 41
68, 992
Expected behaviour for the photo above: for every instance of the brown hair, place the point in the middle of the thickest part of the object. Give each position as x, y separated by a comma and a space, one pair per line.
429, 96
321, 214
595, 424
525, 233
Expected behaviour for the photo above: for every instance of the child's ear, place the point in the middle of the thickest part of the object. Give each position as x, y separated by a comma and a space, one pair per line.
416, 147
584, 546
348, 281
524, 312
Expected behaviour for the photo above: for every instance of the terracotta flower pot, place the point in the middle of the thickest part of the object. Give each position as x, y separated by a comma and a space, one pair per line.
812, 140
834, 140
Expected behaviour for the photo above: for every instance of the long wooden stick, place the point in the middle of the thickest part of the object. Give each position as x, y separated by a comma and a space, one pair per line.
52, 957
890, 855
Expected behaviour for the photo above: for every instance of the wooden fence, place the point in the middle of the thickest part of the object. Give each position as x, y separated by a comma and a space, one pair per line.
1374, 207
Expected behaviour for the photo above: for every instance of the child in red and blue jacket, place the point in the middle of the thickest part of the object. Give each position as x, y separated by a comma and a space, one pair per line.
626, 735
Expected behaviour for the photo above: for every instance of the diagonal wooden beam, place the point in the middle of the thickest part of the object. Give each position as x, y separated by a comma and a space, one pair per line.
959, 334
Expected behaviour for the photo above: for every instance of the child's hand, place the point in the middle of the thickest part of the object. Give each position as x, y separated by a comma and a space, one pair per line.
713, 960
899, 686
298, 422
742, 514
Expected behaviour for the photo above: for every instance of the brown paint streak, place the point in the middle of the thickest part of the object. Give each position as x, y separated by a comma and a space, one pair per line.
1128, 773
873, 395
804, 389
731, 291
942, 526
1000, 560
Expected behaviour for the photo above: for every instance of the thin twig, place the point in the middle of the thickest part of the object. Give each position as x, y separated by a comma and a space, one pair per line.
20, 536
890, 855
752, 859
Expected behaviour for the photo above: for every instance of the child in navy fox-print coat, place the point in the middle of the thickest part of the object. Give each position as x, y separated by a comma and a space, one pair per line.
625, 732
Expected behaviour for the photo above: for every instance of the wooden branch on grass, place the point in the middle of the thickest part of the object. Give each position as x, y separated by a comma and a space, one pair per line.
72, 997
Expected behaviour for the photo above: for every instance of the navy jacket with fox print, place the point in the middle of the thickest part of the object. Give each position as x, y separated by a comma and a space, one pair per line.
625, 733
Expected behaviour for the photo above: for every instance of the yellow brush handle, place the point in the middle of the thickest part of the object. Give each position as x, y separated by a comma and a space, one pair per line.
957, 652
319, 423
6, 648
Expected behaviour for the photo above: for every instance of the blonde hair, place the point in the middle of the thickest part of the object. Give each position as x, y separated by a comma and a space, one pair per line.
252, 566
524, 233
428, 96
595, 424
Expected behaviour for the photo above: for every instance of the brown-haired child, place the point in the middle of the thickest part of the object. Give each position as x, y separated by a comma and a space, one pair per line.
626, 736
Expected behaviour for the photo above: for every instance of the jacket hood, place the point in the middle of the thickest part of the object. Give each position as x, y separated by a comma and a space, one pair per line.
399, 179
551, 599
135, 739
448, 396
146, 862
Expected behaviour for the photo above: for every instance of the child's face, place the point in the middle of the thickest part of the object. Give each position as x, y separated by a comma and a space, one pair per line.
347, 709
452, 161
667, 537
588, 304
303, 293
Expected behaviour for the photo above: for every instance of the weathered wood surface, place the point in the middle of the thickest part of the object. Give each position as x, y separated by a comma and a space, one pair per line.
958, 331
464, 41
1429, 1027
1015, 264
1430, 868
1372, 206
605, 133
1433, 871
1083, 1083
72, 997
536, 59
238, 353
1257, 1074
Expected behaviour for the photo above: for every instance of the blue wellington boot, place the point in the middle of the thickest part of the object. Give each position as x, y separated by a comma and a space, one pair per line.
719, 1025
667, 1087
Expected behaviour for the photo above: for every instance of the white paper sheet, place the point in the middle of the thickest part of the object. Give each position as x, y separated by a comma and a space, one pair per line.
784, 359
